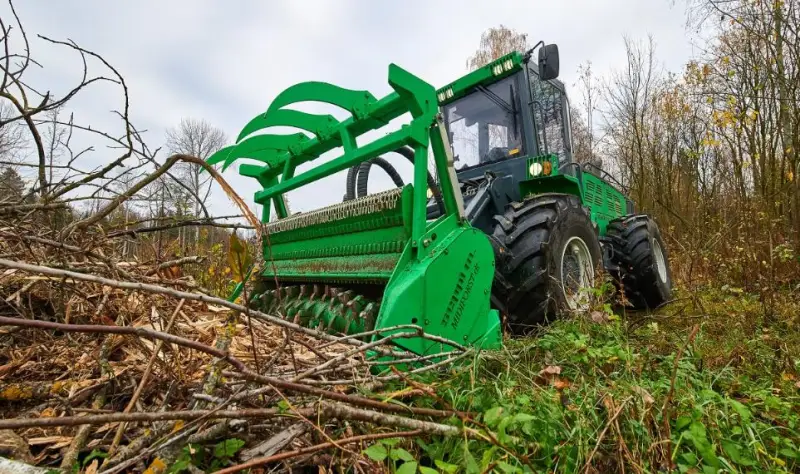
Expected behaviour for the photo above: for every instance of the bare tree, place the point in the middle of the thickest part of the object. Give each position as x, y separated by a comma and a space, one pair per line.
629, 116
583, 132
201, 139
582, 138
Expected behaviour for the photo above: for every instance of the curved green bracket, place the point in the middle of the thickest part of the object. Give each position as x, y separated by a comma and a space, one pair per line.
284, 153
220, 155
268, 149
355, 102
316, 124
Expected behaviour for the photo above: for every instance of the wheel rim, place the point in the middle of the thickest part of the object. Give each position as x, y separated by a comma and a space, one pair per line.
661, 263
577, 273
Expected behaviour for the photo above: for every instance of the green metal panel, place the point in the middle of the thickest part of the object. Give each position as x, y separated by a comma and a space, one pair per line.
447, 292
361, 240
492, 72
555, 182
562, 184
604, 202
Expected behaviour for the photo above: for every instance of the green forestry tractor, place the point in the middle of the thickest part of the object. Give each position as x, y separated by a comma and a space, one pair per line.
499, 224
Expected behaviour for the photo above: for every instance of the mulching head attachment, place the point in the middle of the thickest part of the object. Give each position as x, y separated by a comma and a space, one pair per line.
374, 262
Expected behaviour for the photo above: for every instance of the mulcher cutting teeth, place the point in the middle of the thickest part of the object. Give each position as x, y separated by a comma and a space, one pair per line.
321, 307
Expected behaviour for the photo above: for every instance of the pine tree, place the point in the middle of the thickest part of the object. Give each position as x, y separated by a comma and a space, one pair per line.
12, 186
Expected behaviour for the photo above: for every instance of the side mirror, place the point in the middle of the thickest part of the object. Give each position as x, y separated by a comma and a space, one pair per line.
548, 62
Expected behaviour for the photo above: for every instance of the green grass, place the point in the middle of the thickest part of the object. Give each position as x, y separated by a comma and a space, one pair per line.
611, 397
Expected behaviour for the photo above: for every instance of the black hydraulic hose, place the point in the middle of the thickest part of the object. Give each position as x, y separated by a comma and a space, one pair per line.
350, 187
363, 174
363, 177
352, 172
437, 194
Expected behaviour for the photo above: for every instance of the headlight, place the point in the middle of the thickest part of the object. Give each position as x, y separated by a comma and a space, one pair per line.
535, 169
430, 193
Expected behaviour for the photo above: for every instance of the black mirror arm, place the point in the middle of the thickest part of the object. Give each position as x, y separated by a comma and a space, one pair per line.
529, 53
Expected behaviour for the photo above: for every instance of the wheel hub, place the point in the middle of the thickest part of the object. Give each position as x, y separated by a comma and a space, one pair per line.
661, 263
577, 273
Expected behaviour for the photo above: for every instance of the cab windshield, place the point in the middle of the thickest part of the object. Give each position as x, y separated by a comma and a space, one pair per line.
485, 126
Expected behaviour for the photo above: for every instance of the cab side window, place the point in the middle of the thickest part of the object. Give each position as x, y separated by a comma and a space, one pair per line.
549, 115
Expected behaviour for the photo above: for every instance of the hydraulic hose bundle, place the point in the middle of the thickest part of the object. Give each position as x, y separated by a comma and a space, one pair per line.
358, 177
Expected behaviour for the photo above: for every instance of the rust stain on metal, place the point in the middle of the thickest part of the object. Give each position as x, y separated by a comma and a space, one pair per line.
349, 265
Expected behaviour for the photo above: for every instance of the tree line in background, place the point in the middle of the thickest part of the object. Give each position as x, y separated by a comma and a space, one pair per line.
169, 216
711, 151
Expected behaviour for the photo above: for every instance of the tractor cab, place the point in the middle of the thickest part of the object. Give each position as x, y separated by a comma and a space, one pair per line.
508, 110
504, 121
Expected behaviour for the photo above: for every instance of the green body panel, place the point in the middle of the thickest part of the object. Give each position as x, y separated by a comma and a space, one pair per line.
446, 292
435, 274
492, 72
561, 184
605, 202
555, 182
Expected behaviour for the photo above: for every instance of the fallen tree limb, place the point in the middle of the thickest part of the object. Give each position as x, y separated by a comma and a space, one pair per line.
125, 330
184, 415
341, 397
321, 411
176, 225
19, 391
275, 443
22, 208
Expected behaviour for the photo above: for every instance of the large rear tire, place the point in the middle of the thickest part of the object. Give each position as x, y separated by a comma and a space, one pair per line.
548, 252
637, 260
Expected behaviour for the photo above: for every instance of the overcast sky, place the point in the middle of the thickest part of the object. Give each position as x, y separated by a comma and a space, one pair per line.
225, 61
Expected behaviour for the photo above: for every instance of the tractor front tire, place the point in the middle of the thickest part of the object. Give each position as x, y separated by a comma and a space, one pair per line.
533, 240
637, 259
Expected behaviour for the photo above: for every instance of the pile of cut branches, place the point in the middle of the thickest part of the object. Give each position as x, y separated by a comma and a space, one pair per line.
116, 365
